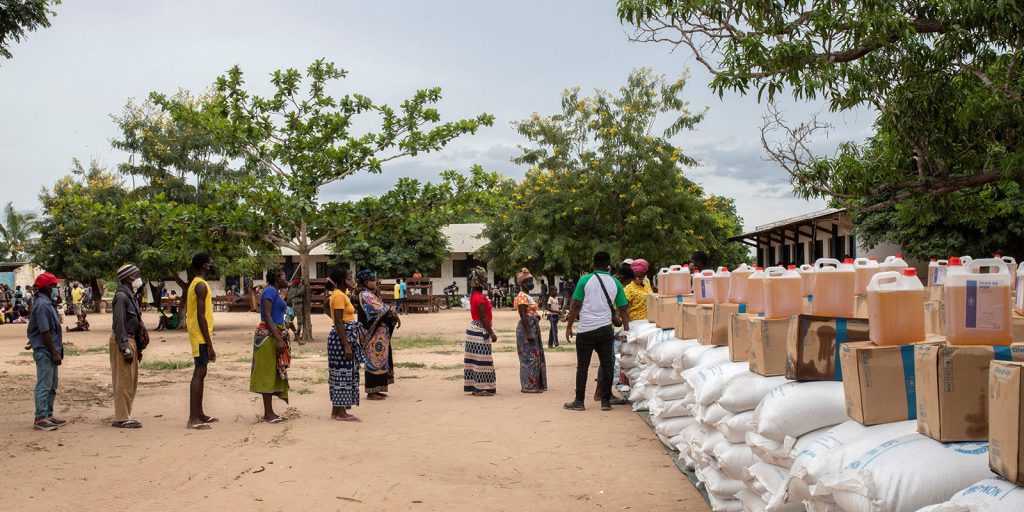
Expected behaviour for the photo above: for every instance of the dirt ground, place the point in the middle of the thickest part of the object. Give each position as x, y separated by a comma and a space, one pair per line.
428, 447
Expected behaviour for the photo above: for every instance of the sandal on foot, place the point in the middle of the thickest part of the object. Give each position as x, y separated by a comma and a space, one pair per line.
279, 419
126, 424
211, 419
198, 426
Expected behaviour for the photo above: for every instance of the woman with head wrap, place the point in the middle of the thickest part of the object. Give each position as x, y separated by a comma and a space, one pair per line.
637, 289
533, 373
479, 377
380, 322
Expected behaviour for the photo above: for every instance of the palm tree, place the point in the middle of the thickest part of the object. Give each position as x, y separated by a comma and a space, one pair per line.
17, 230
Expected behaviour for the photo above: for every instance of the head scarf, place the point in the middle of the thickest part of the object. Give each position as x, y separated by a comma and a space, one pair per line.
365, 275
126, 271
640, 266
478, 279
523, 276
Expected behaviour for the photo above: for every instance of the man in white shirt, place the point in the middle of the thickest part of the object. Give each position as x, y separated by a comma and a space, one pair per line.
596, 296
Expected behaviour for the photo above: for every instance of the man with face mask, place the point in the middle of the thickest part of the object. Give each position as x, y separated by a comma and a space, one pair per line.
127, 341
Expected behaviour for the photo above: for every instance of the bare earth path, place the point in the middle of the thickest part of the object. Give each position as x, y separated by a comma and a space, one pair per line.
428, 447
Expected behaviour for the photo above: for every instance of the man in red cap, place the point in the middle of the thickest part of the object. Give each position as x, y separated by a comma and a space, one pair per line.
44, 335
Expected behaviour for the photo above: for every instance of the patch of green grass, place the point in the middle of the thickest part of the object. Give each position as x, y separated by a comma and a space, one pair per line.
74, 351
304, 391
410, 364
423, 342
446, 352
166, 364
29, 353
242, 359
319, 380
455, 377
400, 377
445, 366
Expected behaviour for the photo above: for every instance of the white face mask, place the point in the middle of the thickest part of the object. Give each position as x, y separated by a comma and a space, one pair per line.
137, 283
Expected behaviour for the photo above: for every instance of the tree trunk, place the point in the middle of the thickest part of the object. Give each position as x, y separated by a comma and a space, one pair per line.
97, 295
307, 306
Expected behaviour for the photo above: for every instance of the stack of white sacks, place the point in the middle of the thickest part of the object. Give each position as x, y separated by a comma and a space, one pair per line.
768, 444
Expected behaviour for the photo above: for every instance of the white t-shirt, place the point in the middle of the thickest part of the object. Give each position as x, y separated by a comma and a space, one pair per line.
595, 313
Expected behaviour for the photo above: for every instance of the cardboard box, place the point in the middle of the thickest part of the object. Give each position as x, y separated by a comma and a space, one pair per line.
1006, 420
860, 307
687, 321
739, 337
666, 310
935, 318
714, 322
813, 354
879, 382
952, 389
652, 308
768, 341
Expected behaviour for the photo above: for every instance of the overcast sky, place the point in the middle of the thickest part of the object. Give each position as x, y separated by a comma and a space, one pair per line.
509, 59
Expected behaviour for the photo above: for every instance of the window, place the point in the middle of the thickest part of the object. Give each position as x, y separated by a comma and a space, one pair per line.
460, 268
840, 247
819, 249
853, 246
321, 270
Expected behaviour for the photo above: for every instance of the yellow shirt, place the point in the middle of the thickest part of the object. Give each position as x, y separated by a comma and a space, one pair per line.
340, 300
637, 297
76, 295
398, 290
192, 318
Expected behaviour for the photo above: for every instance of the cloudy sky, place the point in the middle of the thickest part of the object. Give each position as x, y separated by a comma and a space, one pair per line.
509, 59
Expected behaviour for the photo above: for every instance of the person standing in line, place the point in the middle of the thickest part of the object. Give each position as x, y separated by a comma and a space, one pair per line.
45, 337
127, 341
199, 322
270, 361
637, 290
533, 373
380, 322
297, 300
77, 293
597, 300
344, 352
553, 312
403, 291
397, 292
543, 288
479, 377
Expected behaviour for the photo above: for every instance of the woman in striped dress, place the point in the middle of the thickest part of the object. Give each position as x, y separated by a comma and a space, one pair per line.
479, 374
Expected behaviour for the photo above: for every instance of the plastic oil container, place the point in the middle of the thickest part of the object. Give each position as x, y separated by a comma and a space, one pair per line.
1018, 301
896, 308
721, 282
738, 284
978, 304
704, 287
833, 288
865, 269
807, 278
783, 293
659, 280
755, 291
1011, 264
677, 281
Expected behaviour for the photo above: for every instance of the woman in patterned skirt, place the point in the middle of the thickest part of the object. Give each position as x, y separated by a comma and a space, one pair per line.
533, 372
479, 377
380, 321
344, 352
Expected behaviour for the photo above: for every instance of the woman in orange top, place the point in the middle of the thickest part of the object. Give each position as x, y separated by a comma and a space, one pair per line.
533, 374
344, 353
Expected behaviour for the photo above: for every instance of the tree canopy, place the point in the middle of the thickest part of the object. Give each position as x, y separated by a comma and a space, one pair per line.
17, 230
17, 17
604, 175
943, 78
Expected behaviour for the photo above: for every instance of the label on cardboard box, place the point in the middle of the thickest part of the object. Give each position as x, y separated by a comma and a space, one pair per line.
813, 354
952, 389
739, 336
1006, 422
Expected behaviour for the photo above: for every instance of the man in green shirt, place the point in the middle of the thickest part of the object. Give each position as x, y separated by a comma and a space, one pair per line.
297, 300
597, 296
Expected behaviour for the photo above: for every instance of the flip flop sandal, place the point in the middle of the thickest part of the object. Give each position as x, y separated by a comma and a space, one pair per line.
279, 419
127, 424
349, 418
199, 426
211, 419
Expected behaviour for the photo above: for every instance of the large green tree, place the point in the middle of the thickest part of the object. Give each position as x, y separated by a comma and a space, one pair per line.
18, 17
16, 231
401, 230
604, 174
300, 139
944, 78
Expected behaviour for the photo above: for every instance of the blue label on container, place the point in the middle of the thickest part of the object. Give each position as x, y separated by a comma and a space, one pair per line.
703, 291
840, 339
679, 298
907, 354
972, 305
743, 308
